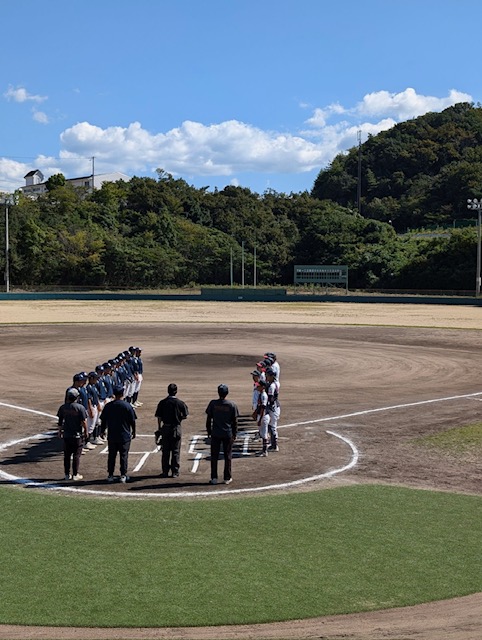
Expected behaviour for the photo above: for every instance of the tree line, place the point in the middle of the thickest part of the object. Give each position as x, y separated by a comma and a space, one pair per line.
152, 233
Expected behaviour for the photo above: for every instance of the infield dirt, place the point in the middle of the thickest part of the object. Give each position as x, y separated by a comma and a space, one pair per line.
340, 362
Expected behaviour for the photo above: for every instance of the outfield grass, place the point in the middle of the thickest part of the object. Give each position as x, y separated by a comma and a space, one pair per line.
101, 562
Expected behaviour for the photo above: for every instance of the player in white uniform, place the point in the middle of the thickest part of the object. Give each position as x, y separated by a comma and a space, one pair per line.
263, 416
274, 364
273, 408
254, 400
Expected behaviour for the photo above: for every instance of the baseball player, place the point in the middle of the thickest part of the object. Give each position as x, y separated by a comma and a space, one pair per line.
254, 398
273, 408
274, 363
93, 414
108, 380
137, 366
263, 416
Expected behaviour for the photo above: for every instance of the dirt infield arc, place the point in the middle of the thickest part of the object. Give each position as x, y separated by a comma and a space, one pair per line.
346, 373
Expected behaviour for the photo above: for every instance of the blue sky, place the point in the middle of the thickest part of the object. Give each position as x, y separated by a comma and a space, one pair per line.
256, 93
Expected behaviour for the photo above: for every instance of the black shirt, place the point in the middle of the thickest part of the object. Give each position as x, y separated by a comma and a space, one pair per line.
119, 419
71, 415
224, 415
171, 411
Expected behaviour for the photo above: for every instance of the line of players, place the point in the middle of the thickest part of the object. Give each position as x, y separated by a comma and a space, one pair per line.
96, 388
265, 402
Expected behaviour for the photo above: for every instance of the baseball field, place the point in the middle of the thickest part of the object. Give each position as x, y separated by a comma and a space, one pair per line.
367, 524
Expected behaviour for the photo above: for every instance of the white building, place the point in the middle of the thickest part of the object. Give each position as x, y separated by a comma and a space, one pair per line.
35, 183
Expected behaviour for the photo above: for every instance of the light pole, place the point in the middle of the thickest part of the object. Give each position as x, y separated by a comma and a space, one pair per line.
7, 200
476, 205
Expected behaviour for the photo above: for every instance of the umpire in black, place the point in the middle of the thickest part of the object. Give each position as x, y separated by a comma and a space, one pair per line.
170, 413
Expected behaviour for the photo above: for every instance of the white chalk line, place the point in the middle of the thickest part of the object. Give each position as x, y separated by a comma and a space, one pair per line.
381, 409
192, 494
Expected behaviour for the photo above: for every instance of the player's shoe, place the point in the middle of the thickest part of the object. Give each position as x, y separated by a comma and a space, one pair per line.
77, 477
213, 481
228, 481
110, 478
68, 476
124, 479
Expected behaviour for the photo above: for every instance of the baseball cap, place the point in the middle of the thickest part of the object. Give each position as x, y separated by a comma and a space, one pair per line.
223, 389
93, 374
118, 390
271, 372
72, 393
99, 367
78, 377
255, 373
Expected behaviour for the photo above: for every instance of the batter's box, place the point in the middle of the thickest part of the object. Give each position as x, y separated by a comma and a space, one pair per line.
200, 447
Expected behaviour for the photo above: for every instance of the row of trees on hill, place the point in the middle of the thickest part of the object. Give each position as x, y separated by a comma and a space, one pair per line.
164, 232
418, 173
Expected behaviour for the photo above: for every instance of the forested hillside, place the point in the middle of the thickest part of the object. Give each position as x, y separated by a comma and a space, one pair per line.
416, 174
164, 232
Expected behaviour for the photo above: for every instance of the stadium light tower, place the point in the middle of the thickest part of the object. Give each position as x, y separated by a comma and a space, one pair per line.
476, 205
7, 199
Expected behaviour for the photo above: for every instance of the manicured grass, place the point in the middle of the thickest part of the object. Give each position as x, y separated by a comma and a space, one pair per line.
465, 440
102, 562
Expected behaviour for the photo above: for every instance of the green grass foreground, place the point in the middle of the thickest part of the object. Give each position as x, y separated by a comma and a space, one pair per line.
101, 562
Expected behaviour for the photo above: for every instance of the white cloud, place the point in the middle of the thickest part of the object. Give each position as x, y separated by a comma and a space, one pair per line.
194, 148
229, 148
321, 116
20, 94
40, 116
406, 104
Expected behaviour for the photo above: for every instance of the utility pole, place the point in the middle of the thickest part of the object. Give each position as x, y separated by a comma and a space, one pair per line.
7, 200
476, 205
358, 195
242, 264
254, 270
